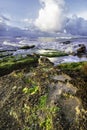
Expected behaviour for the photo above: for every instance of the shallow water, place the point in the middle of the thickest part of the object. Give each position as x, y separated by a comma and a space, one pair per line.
67, 59
41, 44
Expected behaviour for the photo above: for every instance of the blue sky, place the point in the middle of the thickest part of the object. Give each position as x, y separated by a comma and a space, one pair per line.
18, 10
77, 6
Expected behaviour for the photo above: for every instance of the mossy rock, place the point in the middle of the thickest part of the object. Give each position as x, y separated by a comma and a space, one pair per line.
9, 64
72, 66
44, 61
5, 54
54, 54
27, 101
27, 47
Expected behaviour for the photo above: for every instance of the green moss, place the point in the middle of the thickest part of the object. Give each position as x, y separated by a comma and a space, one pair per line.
40, 115
43, 101
49, 113
9, 64
32, 90
72, 66
46, 121
5, 54
54, 54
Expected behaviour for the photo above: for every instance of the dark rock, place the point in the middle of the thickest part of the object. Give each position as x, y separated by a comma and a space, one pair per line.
73, 53
5, 55
34, 55
66, 42
27, 47
81, 49
44, 61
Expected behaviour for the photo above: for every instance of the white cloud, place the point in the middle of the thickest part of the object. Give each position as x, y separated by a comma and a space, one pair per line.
76, 25
1, 20
51, 15
83, 14
29, 21
6, 20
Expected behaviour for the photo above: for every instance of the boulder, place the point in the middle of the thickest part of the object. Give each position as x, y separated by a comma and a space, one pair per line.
27, 47
44, 61
81, 49
66, 42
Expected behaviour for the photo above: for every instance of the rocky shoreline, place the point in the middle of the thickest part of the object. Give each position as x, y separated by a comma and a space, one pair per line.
57, 52
36, 95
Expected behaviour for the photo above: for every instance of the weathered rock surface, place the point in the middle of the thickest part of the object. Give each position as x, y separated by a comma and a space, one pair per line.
44, 98
44, 61
66, 42
27, 47
81, 49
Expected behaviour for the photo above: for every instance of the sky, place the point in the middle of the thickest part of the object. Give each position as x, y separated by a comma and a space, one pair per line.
18, 10
23, 13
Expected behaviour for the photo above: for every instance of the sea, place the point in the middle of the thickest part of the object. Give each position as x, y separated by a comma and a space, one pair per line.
43, 45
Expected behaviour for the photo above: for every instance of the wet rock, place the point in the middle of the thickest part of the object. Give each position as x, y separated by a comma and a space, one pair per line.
73, 53
66, 42
27, 47
5, 54
8, 50
10, 64
34, 55
81, 49
53, 53
44, 61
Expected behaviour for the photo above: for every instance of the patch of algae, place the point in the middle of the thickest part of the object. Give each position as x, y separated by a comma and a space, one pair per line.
9, 64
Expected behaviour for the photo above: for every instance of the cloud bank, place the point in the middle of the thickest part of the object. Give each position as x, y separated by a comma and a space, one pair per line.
76, 26
51, 15
52, 18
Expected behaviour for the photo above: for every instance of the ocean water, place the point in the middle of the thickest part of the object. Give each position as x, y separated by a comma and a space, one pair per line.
44, 44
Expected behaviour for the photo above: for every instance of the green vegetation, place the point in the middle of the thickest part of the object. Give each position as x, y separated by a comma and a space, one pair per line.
32, 90
40, 115
49, 113
5, 54
72, 66
11, 63
84, 69
27, 100
43, 101
54, 54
